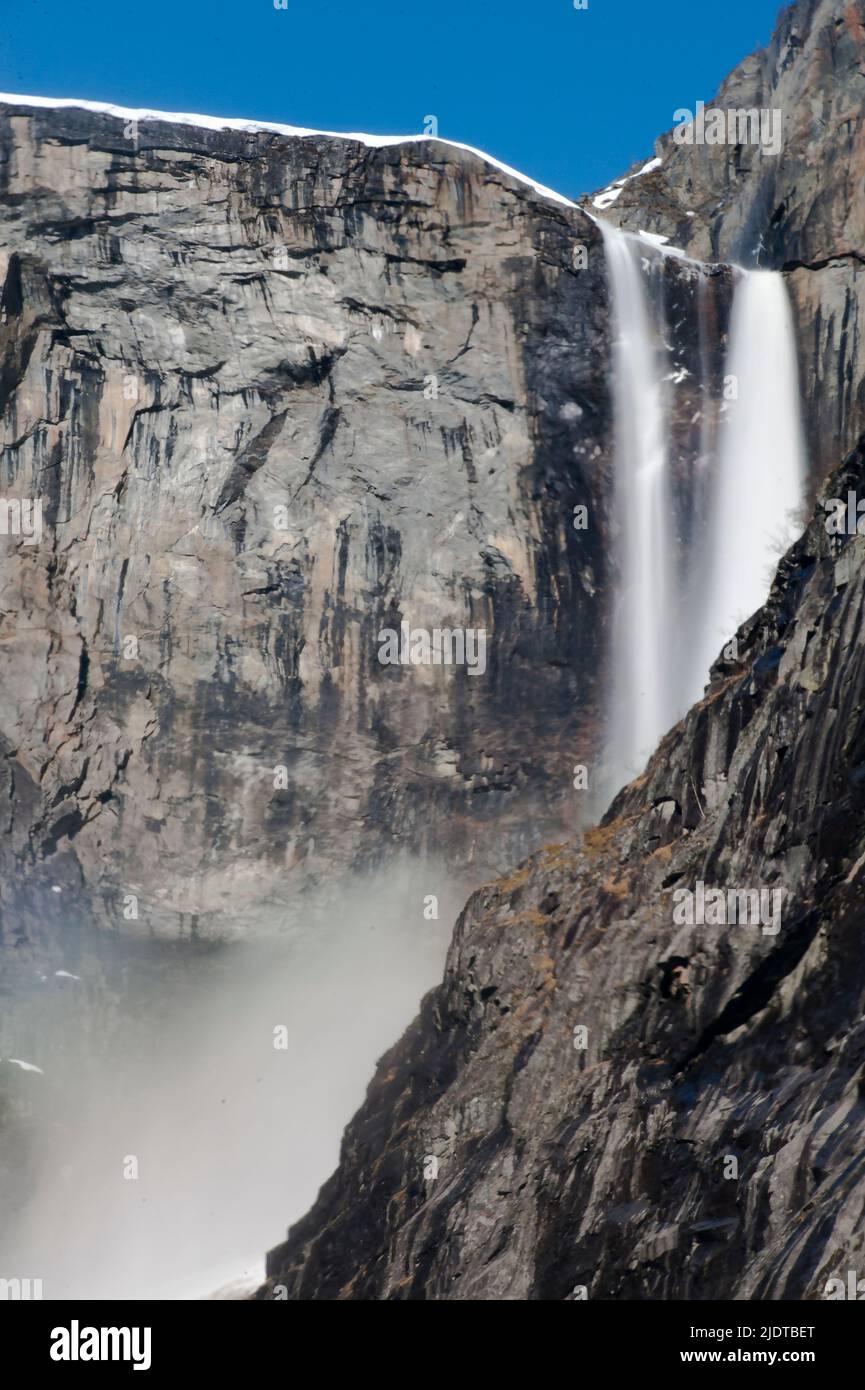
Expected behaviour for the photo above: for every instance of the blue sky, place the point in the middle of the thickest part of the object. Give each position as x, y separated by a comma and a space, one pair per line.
569, 97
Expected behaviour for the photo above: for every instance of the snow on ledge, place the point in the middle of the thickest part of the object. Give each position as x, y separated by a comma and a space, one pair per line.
128, 113
658, 239
608, 196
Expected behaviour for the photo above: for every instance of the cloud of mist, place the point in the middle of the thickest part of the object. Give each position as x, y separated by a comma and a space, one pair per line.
232, 1137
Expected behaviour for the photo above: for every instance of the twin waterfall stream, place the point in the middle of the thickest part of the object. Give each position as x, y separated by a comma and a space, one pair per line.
678, 598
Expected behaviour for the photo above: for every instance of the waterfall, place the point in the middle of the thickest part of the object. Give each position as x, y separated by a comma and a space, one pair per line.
679, 600
760, 479
641, 697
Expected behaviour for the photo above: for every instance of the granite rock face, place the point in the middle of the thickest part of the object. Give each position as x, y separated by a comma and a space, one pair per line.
278, 394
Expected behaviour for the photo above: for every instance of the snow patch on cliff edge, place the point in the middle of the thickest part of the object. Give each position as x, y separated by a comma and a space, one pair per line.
128, 113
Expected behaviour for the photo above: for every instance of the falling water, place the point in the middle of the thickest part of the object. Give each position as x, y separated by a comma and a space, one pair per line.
760, 479
677, 603
641, 695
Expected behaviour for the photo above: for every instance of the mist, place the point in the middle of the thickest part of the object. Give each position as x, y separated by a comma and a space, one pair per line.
178, 1079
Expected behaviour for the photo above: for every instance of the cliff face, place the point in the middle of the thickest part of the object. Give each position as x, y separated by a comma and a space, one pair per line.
276, 395
602, 1099
617, 1092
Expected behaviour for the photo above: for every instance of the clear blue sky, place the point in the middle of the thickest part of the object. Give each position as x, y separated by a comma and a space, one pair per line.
569, 97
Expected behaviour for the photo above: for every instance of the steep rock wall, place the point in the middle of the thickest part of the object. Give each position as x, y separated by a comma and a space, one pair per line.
393, 346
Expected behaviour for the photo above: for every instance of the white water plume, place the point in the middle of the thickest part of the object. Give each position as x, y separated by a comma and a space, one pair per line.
678, 602
760, 479
641, 697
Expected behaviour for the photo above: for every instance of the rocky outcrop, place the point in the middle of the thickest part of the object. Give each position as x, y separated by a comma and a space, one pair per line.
604, 1100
